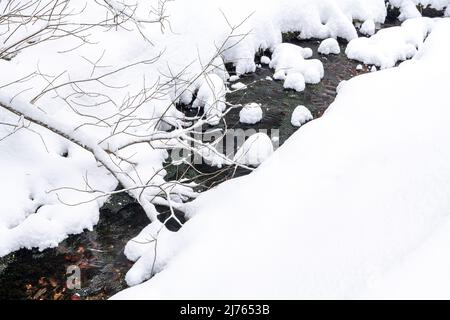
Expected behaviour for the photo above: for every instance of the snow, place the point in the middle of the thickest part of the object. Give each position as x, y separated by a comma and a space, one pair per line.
234, 78
408, 8
197, 29
300, 116
32, 215
329, 46
290, 65
238, 86
390, 45
255, 150
294, 80
359, 67
251, 113
265, 60
353, 205
368, 28
211, 96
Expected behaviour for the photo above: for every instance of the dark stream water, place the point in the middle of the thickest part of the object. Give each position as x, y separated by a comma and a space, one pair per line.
30, 274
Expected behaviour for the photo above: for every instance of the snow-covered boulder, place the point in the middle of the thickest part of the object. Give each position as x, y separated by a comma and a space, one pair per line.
255, 150
238, 86
300, 116
288, 58
368, 28
329, 46
265, 60
294, 80
234, 78
251, 113
211, 96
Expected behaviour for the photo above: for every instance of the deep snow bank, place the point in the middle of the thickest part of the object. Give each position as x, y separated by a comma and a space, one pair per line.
352, 205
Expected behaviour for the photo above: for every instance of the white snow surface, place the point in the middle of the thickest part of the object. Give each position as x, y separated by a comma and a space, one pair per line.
251, 113
353, 205
390, 45
368, 28
329, 46
300, 116
295, 80
291, 64
409, 10
255, 150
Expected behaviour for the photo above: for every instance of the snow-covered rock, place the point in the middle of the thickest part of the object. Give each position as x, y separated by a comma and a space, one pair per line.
288, 58
251, 113
390, 45
368, 28
234, 78
300, 116
329, 46
265, 60
408, 8
255, 150
335, 212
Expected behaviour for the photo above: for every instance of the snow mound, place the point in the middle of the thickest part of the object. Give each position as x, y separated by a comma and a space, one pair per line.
329, 46
390, 45
238, 86
265, 60
409, 10
288, 59
255, 150
294, 80
211, 96
368, 28
300, 116
234, 78
251, 113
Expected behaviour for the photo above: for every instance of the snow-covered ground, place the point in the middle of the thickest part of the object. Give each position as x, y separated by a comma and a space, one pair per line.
354, 205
